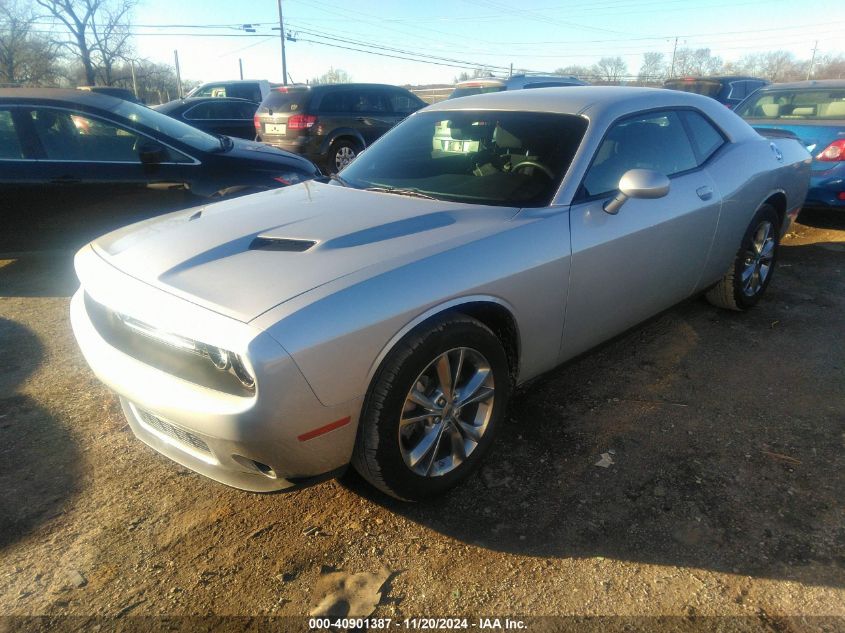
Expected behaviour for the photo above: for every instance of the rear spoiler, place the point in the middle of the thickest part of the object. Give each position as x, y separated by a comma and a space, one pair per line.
772, 132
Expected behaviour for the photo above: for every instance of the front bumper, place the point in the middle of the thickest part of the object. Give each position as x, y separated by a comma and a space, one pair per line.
250, 442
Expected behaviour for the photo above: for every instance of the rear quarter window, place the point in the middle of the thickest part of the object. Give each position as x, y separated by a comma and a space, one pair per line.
706, 139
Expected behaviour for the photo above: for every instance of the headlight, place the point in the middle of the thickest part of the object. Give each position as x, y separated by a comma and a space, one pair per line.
197, 362
222, 359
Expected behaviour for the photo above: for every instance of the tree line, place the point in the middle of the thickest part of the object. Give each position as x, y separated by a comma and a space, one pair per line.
88, 42
76, 43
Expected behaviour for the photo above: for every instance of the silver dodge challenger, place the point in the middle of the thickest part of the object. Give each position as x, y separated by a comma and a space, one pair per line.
383, 317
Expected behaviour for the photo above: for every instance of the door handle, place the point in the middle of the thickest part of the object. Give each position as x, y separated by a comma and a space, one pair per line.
705, 192
361, 119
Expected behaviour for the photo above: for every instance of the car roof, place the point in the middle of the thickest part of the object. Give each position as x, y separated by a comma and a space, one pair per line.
602, 104
72, 96
233, 81
812, 83
485, 81
716, 78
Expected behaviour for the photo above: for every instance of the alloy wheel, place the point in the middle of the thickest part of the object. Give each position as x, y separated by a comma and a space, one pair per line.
446, 412
759, 258
343, 157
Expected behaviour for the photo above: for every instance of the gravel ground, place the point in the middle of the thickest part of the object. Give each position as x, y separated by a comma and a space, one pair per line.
726, 434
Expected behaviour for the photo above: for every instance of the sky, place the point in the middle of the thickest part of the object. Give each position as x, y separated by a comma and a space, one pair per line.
538, 35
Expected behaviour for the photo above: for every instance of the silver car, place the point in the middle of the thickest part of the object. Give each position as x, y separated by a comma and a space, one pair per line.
383, 318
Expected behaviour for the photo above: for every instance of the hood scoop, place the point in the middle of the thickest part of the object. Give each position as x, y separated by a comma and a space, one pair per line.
268, 243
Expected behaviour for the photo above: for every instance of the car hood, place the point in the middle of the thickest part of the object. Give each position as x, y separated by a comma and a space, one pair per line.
253, 150
245, 256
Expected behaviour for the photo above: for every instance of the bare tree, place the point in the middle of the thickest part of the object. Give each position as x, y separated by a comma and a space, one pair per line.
610, 69
653, 69
696, 62
477, 73
24, 57
98, 31
332, 76
829, 67
581, 72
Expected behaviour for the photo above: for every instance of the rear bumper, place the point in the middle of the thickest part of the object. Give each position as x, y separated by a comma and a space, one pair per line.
249, 442
306, 146
826, 189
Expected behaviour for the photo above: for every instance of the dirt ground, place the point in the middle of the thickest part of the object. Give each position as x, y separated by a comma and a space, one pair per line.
724, 498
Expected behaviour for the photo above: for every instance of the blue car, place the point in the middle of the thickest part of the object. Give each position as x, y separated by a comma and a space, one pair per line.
814, 111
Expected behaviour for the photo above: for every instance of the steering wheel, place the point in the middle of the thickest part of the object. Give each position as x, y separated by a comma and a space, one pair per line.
532, 163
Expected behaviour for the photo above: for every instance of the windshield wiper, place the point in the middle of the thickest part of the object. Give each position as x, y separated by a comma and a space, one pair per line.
402, 192
337, 178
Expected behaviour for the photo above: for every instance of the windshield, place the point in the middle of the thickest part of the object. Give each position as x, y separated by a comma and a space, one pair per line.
465, 91
169, 127
497, 158
706, 88
794, 104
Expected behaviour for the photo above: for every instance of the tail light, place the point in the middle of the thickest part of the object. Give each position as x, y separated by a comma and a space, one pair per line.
833, 152
257, 122
301, 121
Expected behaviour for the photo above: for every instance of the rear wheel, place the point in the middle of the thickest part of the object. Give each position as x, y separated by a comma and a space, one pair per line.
341, 153
749, 275
433, 409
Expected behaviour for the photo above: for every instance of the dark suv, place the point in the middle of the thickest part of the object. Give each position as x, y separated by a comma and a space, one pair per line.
330, 124
728, 90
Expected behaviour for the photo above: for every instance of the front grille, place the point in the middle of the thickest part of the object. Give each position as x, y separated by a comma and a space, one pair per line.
171, 430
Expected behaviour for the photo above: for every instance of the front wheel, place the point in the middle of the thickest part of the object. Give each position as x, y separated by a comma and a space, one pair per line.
433, 409
749, 275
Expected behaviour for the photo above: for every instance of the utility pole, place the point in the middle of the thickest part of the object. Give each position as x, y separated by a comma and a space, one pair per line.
134, 82
813, 60
510, 73
674, 51
241, 66
178, 75
282, 35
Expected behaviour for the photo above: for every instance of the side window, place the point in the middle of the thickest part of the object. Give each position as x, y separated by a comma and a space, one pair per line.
656, 140
340, 101
402, 103
738, 90
245, 91
212, 90
199, 112
753, 85
705, 138
68, 136
371, 101
220, 110
10, 147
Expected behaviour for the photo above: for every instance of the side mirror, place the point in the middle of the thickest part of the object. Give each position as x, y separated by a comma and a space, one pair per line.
152, 153
638, 183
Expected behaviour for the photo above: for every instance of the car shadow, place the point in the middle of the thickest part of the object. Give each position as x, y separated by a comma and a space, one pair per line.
38, 275
823, 218
701, 438
39, 461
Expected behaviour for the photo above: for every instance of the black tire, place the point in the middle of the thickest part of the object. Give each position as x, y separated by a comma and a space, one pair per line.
730, 293
378, 456
339, 151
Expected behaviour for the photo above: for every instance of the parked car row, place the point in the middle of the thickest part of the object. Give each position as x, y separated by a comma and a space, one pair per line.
330, 125
73, 138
